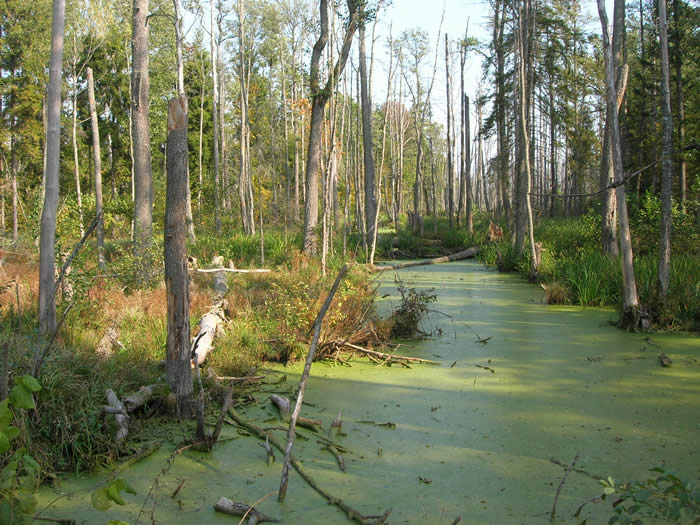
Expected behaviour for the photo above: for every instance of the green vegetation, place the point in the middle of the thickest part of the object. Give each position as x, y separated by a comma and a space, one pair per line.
574, 271
664, 497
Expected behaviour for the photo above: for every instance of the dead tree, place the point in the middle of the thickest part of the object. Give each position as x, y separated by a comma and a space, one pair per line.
177, 368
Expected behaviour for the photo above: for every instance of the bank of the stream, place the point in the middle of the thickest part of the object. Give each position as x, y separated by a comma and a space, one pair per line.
434, 443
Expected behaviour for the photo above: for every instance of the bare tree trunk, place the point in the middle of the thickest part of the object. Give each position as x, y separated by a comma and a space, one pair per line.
468, 165
143, 179
13, 176
100, 231
525, 50
608, 208
667, 162
500, 103
76, 165
215, 116
47, 268
178, 368
680, 101
367, 141
450, 153
630, 314
319, 99
179, 37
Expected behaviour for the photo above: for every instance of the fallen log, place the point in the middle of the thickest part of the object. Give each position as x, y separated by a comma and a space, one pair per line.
387, 357
227, 506
464, 254
208, 325
230, 270
349, 511
143, 395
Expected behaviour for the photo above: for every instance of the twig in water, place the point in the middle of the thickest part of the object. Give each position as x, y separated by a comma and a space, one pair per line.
561, 484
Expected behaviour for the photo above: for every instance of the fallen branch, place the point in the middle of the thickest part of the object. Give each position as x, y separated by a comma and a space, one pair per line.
464, 254
561, 484
120, 416
382, 355
227, 506
302, 383
596, 477
349, 511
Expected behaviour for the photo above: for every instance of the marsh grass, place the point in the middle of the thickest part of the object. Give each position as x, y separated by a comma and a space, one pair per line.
270, 319
574, 271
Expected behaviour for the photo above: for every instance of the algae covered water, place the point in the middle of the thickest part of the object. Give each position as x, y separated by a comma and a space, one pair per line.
521, 389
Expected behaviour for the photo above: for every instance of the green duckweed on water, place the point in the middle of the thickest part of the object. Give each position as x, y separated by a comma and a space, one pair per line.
554, 382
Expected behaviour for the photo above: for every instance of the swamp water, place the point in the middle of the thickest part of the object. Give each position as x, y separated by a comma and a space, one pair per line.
467, 441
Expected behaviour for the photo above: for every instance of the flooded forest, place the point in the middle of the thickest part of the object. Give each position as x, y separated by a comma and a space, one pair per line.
360, 261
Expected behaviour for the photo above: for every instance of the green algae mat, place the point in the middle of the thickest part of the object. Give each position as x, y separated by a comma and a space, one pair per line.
522, 390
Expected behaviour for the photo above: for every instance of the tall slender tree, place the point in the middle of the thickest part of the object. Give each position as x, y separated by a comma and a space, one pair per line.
367, 140
100, 230
47, 305
141, 132
320, 97
631, 313
667, 162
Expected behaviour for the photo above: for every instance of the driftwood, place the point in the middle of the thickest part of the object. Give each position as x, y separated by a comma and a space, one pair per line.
302, 383
227, 506
117, 408
464, 254
387, 357
349, 511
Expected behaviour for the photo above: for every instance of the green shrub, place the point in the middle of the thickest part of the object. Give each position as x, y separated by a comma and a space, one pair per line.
664, 497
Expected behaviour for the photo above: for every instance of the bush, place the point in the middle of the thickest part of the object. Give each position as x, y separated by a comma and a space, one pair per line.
414, 305
664, 497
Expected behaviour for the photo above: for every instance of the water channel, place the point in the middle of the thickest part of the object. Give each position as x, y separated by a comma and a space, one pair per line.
560, 382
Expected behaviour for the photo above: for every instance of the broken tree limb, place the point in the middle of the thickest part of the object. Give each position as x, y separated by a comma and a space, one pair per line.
302, 383
464, 254
285, 407
120, 416
385, 356
349, 511
227, 506
143, 395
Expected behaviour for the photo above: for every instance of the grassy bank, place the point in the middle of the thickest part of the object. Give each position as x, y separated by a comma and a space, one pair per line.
271, 315
574, 271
